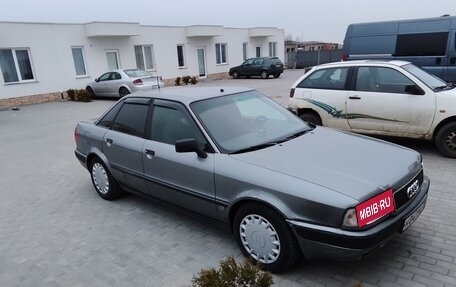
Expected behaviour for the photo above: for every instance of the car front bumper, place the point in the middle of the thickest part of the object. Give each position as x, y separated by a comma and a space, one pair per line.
322, 242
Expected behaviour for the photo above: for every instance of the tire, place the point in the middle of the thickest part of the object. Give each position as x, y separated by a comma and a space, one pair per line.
311, 118
445, 140
261, 232
103, 182
276, 75
123, 92
264, 75
91, 92
236, 75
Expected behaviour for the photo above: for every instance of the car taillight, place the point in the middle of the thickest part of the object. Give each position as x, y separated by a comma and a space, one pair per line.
76, 136
292, 93
137, 82
343, 57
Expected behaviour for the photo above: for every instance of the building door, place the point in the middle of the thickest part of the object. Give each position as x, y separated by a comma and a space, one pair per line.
201, 62
112, 58
258, 51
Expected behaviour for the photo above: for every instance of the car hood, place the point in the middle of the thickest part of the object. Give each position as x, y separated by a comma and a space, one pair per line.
355, 165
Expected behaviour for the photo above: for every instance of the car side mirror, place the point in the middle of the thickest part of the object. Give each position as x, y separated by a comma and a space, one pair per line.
189, 145
413, 90
97, 80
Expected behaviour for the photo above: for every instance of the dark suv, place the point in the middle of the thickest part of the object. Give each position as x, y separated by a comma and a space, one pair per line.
262, 66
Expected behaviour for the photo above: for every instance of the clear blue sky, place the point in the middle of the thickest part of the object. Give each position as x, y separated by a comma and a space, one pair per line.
306, 20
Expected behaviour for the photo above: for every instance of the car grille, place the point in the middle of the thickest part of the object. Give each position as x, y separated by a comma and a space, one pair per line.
401, 198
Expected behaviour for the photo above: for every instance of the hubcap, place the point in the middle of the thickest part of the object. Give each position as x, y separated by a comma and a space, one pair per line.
451, 140
260, 238
100, 178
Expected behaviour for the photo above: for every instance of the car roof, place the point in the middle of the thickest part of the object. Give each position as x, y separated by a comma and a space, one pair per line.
363, 62
188, 95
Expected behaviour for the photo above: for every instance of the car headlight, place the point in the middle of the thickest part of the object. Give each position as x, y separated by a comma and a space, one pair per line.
350, 219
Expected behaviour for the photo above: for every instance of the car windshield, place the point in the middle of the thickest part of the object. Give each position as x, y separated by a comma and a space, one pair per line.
247, 121
137, 73
429, 80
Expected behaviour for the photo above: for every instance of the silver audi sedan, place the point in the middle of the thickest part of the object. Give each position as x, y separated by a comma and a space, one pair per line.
283, 187
119, 83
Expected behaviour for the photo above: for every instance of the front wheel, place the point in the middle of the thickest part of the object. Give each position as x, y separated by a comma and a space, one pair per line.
236, 75
264, 75
102, 180
445, 140
263, 235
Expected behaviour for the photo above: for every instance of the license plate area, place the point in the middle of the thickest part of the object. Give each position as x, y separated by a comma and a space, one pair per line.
375, 208
413, 217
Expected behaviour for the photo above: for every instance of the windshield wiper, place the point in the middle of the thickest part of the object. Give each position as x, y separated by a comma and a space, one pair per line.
448, 86
293, 136
255, 147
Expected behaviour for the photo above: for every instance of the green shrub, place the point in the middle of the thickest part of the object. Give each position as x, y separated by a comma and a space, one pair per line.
193, 80
177, 82
83, 95
71, 94
186, 79
79, 95
231, 274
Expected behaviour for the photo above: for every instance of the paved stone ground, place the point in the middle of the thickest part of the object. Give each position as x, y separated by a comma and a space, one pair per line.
56, 231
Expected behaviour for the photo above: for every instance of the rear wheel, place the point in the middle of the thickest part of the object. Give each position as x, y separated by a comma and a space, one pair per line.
445, 140
311, 118
236, 75
264, 75
263, 235
102, 180
123, 92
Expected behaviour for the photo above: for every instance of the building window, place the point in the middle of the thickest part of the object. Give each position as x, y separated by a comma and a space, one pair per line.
145, 57
220, 53
180, 56
244, 51
272, 49
16, 65
79, 61
258, 51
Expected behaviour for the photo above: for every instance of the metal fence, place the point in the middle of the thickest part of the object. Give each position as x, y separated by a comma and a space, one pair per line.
304, 59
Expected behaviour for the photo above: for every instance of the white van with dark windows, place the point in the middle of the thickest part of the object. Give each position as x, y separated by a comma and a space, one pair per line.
428, 43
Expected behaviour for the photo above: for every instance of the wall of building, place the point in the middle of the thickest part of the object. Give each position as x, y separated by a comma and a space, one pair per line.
53, 65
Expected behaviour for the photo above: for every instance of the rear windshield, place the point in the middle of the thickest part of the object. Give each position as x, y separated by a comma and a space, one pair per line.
137, 73
276, 61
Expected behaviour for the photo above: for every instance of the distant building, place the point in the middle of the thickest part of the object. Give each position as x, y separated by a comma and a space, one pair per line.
40, 60
293, 46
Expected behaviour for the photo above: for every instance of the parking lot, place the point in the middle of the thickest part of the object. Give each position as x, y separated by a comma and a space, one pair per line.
56, 231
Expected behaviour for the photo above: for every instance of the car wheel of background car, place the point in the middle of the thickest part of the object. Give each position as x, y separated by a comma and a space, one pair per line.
91, 92
123, 92
263, 235
264, 75
235, 75
311, 118
276, 75
102, 180
445, 140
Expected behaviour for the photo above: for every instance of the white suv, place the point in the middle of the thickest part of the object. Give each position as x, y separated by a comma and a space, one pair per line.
392, 98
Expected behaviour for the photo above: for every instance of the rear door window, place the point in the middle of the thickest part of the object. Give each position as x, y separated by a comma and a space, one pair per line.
331, 79
131, 119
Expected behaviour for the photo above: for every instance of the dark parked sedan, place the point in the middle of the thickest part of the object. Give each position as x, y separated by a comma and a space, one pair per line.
261, 66
232, 154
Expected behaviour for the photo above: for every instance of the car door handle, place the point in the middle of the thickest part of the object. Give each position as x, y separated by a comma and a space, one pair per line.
109, 142
149, 153
354, 98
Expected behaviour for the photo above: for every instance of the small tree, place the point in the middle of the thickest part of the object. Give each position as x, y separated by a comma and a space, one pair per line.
231, 274
193, 80
186, 80
177, 82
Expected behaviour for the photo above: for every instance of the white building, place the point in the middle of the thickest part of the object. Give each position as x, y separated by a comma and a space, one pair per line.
40, 60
